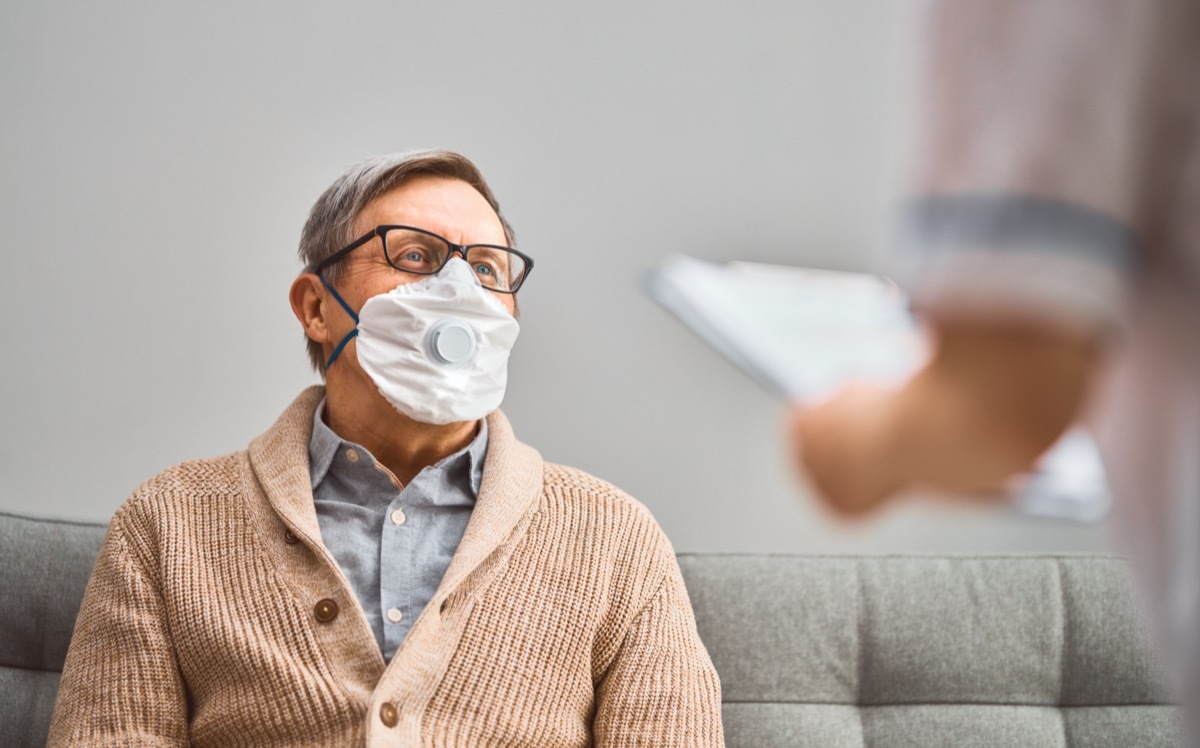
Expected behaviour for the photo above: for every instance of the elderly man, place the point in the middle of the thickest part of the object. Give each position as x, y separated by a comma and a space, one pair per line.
387, 564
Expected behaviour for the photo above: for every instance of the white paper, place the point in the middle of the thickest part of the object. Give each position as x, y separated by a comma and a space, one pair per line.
802, 333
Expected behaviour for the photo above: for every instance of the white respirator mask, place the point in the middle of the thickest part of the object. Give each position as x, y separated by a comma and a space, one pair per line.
436, 348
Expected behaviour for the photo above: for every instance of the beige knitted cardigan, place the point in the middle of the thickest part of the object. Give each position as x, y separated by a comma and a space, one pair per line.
216, 617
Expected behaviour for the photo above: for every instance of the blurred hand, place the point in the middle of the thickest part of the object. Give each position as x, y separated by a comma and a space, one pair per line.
841, 446
992, 399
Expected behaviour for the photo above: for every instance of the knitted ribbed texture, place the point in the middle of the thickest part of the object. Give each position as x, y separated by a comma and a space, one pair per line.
562, 620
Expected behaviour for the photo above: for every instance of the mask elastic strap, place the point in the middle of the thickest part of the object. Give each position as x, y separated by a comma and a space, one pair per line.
349, 311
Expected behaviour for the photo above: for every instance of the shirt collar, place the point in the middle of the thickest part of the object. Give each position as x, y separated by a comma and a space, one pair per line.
324, 444
476, 454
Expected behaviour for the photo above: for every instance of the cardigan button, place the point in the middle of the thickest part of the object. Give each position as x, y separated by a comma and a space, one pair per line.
388, 715
326, 610
290, 538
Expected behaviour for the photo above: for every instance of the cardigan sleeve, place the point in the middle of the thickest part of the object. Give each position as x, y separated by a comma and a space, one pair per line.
662, 688
121, 683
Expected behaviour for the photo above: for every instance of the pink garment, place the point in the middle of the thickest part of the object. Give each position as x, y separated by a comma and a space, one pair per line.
1057, 178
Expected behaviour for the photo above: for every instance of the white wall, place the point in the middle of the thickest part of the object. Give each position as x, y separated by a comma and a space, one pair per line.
159, 159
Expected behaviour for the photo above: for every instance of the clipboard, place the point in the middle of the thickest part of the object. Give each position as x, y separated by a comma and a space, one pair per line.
803, 334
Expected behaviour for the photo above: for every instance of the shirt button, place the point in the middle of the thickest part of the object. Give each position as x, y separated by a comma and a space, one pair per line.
290, 538
394, 615
398, 517
352, 455
325, 610
388, 715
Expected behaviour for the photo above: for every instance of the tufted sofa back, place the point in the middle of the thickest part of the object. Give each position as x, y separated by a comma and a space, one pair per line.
854, 652
44, 568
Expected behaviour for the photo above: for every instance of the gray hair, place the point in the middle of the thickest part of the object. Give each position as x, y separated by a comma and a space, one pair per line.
331, 221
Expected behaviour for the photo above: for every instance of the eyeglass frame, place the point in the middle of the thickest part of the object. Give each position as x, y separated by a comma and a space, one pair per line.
382, 230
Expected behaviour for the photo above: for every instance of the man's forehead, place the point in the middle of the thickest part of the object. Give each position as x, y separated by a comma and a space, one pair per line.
437, 204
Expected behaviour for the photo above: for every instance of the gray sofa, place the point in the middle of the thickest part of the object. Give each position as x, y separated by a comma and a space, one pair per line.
831, 651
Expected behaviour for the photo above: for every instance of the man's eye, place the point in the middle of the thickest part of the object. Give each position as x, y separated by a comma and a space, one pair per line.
485, 269
413, 258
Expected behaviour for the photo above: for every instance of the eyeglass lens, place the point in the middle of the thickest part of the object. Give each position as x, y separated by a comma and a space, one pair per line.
418, 252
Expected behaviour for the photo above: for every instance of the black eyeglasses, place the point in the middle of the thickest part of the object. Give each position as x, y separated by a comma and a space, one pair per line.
413, 250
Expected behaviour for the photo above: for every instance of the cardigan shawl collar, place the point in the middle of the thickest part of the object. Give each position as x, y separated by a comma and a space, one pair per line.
512, 482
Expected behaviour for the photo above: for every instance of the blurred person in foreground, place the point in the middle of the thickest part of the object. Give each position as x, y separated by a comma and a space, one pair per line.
1052, 243
388, 564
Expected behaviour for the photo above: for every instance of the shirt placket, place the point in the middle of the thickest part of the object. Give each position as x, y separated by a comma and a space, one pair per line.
397, 565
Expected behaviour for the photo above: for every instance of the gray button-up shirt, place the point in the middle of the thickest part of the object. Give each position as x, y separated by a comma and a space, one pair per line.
392, 542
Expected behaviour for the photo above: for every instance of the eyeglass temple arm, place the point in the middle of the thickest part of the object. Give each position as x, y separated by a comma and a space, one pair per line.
344, 251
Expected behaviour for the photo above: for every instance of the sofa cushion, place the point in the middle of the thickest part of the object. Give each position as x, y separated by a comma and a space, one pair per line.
26, 707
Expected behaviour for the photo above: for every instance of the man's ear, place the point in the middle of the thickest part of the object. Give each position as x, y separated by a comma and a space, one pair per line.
308, 296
